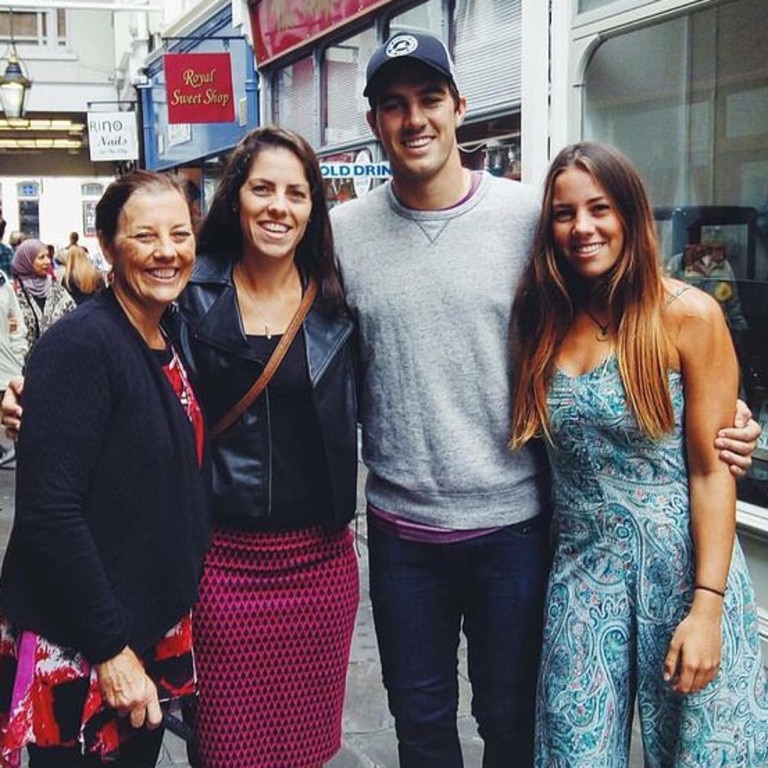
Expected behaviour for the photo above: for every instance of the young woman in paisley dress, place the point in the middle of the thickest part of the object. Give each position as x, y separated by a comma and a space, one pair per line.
628, 376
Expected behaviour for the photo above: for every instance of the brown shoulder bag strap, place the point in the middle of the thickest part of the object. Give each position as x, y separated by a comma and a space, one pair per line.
239, 408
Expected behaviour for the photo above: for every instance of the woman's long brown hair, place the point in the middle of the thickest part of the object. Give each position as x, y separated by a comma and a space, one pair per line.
551, 293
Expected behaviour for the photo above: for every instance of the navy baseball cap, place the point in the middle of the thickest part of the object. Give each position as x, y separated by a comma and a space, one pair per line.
427, 49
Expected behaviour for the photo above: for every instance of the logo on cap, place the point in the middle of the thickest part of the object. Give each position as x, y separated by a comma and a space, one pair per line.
401, 45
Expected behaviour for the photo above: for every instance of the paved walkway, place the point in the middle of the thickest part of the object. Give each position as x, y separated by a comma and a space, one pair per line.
369, 738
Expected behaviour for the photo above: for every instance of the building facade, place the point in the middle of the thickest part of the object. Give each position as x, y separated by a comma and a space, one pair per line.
72, 55
197, 149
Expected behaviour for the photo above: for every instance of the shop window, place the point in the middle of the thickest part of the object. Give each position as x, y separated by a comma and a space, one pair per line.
488, 53
28, 193
45, 29
294, 99
426, 17
696, 125
344, 76
591, 5
347, 175
90, 193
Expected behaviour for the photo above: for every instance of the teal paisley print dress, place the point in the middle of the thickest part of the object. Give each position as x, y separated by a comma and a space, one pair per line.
620, 584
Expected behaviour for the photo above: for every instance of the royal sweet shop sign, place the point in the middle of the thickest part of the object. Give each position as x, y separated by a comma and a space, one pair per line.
198, 88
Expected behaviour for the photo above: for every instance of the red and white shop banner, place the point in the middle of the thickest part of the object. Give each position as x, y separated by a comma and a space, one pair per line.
279, 26
198, 88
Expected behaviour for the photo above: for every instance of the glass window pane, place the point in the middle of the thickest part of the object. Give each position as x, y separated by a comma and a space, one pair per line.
23, 25
696, 125
294, 105
488, 52
344, 65
591, 5
427, 17
29, 217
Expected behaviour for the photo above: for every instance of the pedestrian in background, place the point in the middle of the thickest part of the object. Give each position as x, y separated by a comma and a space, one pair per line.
629, 376
13, 344
81, 278
16, 237
13, 334
6, 252
111, 520
42, 300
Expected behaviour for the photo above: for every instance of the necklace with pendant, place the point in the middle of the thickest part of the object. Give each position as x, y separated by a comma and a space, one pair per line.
603, 330
255, 302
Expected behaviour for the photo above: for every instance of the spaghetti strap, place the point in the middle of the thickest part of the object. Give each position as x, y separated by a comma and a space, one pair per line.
681, 290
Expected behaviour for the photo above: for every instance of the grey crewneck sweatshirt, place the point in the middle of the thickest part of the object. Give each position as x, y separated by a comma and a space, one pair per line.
432, 293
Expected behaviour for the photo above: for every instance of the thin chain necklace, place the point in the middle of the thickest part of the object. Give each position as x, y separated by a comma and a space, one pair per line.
246, 286
603, 330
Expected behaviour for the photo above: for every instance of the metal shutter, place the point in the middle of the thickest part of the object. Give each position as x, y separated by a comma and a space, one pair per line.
487, 53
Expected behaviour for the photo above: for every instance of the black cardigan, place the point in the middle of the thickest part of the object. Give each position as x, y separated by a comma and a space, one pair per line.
111, 519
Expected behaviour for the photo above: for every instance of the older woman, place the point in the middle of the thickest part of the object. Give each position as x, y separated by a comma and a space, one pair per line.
111, 525
280, 586
42, 300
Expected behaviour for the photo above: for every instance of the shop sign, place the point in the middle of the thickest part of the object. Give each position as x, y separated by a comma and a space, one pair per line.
112, 136
198, 88
279, 26
355, 170
179, 133
362, 184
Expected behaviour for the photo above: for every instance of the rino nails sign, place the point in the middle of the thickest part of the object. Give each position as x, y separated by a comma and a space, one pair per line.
198, 88
112, 136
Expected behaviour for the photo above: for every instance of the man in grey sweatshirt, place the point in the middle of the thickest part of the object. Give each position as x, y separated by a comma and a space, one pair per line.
457, 524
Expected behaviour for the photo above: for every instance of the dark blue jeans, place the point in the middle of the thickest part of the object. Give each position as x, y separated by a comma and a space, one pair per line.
423, 595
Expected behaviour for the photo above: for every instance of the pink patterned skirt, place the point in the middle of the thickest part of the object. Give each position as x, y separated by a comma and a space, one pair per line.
273, 628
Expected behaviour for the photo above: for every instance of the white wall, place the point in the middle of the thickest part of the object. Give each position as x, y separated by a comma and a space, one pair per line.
61, 210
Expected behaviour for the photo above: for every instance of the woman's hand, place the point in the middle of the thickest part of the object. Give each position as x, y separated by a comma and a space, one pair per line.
735, 444
11, 407
693, 658
125, 687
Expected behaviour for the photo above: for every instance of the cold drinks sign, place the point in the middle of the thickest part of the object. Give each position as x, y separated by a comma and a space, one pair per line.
198, 87
112, 136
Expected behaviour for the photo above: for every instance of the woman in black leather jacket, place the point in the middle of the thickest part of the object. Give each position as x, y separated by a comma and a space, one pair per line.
279, 593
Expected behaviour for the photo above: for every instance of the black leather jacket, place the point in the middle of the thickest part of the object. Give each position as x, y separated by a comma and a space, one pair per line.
223, 368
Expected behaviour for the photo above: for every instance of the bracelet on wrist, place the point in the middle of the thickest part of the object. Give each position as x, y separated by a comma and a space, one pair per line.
710, 589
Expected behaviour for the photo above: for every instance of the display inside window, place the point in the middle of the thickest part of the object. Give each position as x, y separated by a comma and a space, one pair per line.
700, 142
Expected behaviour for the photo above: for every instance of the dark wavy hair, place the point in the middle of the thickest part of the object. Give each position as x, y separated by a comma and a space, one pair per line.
117, 194
221, 236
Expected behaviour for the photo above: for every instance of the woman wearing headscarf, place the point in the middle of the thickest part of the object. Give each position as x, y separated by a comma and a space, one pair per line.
42, 300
